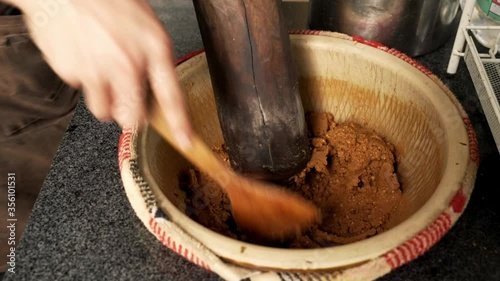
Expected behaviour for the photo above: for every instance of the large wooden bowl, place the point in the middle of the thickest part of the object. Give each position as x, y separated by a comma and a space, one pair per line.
357, 81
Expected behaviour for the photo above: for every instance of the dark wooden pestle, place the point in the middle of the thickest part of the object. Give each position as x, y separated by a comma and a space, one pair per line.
255, 86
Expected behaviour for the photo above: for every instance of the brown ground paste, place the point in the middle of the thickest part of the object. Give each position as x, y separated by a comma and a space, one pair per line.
351, 177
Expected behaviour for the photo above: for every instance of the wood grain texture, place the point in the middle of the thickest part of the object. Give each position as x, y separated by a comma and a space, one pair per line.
255, 86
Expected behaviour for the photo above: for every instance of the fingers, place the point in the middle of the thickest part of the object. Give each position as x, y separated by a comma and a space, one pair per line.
98, 99
166, 89
128, 105
121, 100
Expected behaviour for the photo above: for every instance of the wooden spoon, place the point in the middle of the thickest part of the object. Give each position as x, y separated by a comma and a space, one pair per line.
262, 209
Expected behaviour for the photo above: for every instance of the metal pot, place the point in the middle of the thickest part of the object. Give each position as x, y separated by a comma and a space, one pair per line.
414, 27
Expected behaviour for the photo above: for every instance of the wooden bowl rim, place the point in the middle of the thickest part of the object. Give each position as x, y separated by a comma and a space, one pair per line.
416, 241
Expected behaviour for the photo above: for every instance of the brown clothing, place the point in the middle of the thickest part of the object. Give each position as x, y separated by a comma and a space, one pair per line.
3, 7
35, 108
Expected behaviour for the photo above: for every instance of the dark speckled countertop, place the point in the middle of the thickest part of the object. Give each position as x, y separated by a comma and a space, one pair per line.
83, 228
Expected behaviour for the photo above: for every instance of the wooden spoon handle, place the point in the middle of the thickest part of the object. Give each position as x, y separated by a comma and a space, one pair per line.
199, 154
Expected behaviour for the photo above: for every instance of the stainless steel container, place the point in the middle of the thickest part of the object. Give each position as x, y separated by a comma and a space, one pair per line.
414, 27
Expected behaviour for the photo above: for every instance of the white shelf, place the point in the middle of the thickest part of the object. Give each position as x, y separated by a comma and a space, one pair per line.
483, 67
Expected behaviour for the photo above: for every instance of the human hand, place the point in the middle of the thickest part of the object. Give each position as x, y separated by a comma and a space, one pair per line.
112, 50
